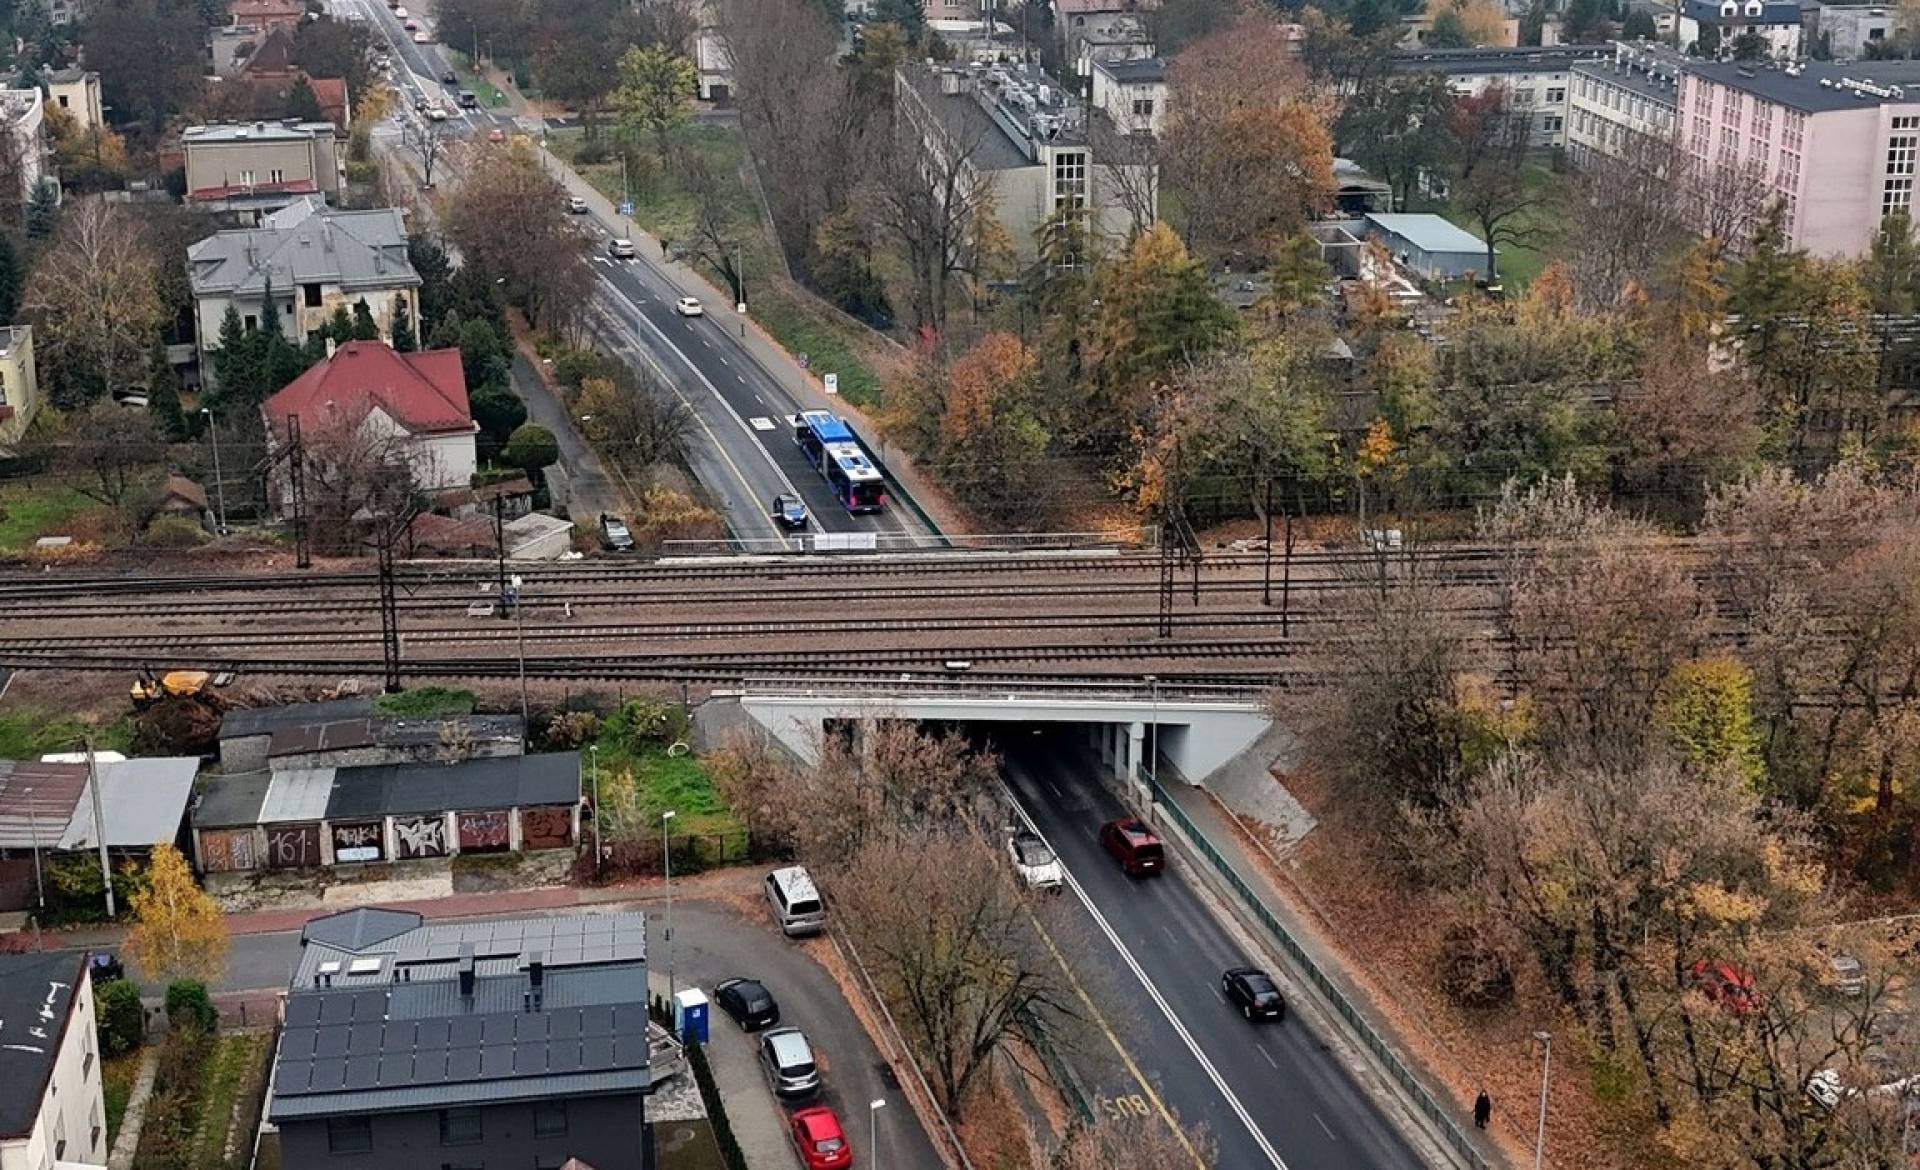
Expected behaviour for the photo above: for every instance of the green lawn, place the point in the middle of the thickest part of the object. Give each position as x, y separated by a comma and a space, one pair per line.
27, 733
1544, 226
658, 783
117, 1074
238, 1067
29, 511
827, 342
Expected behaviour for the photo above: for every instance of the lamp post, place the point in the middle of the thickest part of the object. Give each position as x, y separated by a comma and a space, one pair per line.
219, 488
873, 1130
1153, 751
1540, 1133
593, 766
666, 859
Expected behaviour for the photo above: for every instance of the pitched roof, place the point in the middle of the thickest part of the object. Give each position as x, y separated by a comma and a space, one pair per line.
426, 393
37, 802
36, 1001
1428, 232
179, 486
305, 243
144, 801
256, 11
274, 54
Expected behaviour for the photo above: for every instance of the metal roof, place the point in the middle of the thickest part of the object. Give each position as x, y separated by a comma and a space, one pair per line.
505, 782
264, 720
37, 801
1427, 232
353, 249
335, 735
144, 802
1472, 62
226, 802
300, 794
36, 1000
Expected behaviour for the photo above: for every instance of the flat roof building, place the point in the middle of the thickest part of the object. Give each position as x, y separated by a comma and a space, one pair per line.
1535, 79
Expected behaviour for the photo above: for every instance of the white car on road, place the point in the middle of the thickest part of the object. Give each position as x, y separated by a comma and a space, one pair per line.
620, 249
1035, 860
689, 307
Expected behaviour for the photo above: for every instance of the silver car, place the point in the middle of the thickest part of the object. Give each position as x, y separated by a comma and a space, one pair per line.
787, 1059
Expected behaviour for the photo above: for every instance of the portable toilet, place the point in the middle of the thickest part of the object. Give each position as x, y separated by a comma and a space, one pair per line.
690, 1015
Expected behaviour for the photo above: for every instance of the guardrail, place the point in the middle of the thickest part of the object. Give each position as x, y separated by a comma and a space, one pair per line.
880, 542
1442, 1118
961, 687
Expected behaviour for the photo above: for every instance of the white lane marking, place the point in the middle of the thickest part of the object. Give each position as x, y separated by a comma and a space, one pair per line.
705, 342
1166, 1009
1274, 1063
1217, 995
724, 361
1323, 1125
760, 424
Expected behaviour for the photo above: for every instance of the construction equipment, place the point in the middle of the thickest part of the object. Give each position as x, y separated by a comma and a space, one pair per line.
148, 690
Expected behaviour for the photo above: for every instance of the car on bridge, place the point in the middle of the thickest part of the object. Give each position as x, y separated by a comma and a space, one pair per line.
1253, 991
1134, 846
790, 513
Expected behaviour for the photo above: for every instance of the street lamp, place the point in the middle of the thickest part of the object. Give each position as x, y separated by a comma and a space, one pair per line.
1153, 755
873, 1131
1540, 1134
666, 859
593, 765
219, 488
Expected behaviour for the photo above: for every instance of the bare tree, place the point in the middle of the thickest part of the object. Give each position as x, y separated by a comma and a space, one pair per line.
1729, 200
359, 479
109, 451
718, 233
1135, 1143
1494, 143
1633, 214
95, 303
936, 203
428, 139
509, 218
1129, 168
639, 424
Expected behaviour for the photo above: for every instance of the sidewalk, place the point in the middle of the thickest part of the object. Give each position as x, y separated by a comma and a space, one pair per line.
1225, 836
758, 1123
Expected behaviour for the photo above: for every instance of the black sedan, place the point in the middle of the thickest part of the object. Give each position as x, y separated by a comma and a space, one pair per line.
1254, 993
749, 1003
789, 513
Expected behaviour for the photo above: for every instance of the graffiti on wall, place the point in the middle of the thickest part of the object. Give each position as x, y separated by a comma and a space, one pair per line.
546, 828
420, 837
483, 832
289, 846
227, 850
361, 841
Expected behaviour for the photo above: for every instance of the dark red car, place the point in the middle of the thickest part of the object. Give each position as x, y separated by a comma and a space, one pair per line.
1134, 846
1726, 984
818, 1137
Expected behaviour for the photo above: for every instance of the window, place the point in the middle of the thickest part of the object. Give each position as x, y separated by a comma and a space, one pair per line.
276, 176
1900, 153
349, 1135
1550, 124
310, 295
246, 178
1556, 94
1143, 107
550, 1118
251, 322
1897, 195
1069, 179
63, 101
1908, 123
459, 1127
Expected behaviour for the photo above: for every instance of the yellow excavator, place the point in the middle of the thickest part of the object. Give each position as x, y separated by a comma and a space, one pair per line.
148, 690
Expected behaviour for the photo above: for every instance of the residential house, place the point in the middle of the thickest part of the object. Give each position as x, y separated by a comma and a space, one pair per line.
1103, 20
271, 74
1634, 95
712, 58
228, 49
251, 168
183, 497
1836, 144
516, 1043
1041, 153
267, 15
1776, 22
77, 91
52, 1106
1535, 80
308, 817
1849, 32
1126, 44
47, 807
313, 260
19, 383
1133, 93
419, 400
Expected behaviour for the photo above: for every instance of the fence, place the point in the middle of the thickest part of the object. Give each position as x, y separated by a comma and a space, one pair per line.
1357, 1024
882, 542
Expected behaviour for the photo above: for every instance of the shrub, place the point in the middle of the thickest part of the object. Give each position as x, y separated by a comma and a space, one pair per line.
592, 151
572, 730
122, 1020
1474, 972
169, 531
189, 1006
425, 703
730, 1151
641, 724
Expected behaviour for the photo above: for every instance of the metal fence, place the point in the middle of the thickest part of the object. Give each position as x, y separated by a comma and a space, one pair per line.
901, 542
1357, 1024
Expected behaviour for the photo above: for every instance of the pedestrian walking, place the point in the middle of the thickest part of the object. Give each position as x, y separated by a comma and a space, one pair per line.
1482, 1109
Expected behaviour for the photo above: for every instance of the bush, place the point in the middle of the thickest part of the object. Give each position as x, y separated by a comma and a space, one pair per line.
592, 152
642, 724
572, 730
1474, 972
170, 531
730, 1151
425, 703
122, 1020
189, 1006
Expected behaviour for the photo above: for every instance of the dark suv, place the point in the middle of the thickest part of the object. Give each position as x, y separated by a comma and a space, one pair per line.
1252, 991
1134, 846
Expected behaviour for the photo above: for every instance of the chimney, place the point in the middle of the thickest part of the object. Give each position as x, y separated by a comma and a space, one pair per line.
466, 971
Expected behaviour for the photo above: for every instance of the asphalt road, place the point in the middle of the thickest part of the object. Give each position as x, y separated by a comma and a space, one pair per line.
713, 941
1270, 1095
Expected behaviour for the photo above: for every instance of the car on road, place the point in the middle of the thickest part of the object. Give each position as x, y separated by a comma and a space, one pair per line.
620, 249
614, 533
576, 205
748, 1001
449, 77
689, 307
818, 1137
420, 104
469, 100
438, 113
1034, 859
1253, 991
421, 38
787, 1060
795, 901
789, 513
399, 10
496, 135
410, 25
1134, 846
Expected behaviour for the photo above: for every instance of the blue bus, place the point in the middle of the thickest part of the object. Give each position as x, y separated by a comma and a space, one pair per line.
829, 444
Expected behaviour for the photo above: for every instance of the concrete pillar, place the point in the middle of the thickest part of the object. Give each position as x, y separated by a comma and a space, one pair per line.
1136, 754
1117, 749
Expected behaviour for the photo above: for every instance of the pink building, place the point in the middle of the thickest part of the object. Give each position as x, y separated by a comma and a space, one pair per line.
1835, 142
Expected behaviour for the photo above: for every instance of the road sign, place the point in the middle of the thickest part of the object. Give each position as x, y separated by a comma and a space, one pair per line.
802, 359
626, 207
833, 383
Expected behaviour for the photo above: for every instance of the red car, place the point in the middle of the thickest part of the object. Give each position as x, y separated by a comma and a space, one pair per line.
1730, 986
817, 1135
1134, 846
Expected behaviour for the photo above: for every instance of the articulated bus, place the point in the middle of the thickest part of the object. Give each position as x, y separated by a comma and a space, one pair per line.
830, 446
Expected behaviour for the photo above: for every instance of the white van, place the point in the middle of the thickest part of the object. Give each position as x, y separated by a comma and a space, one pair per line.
796, 903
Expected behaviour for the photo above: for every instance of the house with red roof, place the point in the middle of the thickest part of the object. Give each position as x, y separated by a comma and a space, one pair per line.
268, 15
367, 390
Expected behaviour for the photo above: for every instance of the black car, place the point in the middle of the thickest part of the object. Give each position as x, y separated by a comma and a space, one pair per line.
1254, 993
789, 513
749, 1003
449, 78
105, 966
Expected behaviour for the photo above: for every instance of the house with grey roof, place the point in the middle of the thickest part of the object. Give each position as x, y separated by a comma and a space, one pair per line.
251, 168
507, 1042
312, 260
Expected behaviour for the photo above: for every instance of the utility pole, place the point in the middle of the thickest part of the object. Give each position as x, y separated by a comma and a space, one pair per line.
297, 478
219, 485
666, 859
520, 633
100, 826
389, 608
593, 764
1266, 567
500, 548
1540, 1133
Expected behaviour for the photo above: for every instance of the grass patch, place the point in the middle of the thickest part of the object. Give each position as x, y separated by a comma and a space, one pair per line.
117, 1074
238, 1067
658, 783
1542, 225
27, 733
425, 703
489, 94
827, 344
29, 511
660, 206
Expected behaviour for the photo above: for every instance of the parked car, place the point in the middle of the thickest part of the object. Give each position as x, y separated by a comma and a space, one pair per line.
1845, 976
496, 135
750, 1004
1252, 991
1134, 846
399, 10
576, 205
614, 533
410, 25
620, 248
438, 113
1828, 1089
689, 307
818, 1137
421, 104
789, 513
105, 966
1730, 986
795, 901
1034, 859
787, 1060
